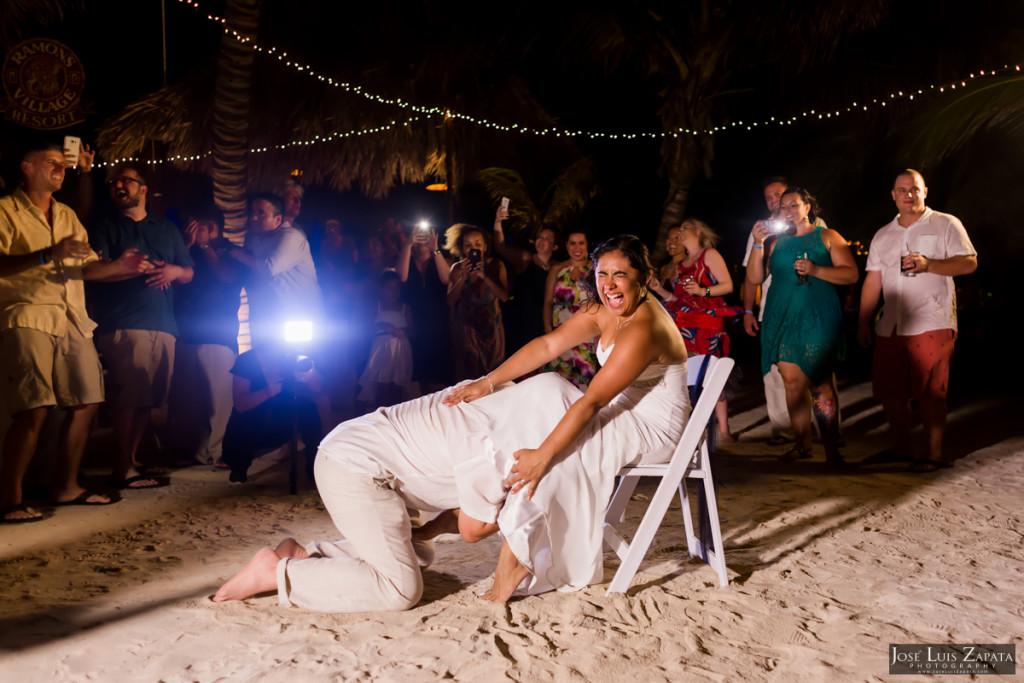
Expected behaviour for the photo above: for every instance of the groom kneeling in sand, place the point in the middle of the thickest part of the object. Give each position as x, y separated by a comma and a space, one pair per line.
374, 480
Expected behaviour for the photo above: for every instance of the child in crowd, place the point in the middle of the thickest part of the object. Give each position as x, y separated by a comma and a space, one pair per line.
388, 373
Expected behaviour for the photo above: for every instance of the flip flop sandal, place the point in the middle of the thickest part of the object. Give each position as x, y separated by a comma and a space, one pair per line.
82, 499
127, 483
20, 507
794, 454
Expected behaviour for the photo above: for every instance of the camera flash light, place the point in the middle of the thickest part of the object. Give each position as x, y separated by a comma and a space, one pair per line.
298, 331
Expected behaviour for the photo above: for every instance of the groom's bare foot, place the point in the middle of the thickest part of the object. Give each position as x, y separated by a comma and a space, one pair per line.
290, 548
259, 576
507, 577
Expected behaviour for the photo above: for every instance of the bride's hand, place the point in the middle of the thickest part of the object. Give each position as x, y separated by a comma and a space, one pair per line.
530, 466
468, 392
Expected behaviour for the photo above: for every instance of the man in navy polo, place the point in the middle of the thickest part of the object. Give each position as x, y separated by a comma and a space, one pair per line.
134, 312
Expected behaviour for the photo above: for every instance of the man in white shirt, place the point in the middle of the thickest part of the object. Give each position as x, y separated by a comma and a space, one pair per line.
911, 264
283, 282
774, 389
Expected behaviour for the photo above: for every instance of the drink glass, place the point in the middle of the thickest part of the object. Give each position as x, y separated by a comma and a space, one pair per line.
801, 278
905, 272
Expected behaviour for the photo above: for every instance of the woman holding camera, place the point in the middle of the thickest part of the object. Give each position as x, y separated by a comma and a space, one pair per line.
424, 274
525, 314
803, 318
477, 284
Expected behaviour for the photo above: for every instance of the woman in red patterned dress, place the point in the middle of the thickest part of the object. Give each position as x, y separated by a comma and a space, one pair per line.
697, 301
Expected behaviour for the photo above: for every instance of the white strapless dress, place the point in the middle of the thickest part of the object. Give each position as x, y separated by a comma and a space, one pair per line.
559, 533
439, 457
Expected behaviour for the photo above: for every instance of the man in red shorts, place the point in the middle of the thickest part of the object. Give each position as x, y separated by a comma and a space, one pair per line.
911, 264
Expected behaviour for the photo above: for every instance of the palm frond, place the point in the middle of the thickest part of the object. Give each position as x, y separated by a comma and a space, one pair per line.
19, 17
524, 217
944, 127
569, 193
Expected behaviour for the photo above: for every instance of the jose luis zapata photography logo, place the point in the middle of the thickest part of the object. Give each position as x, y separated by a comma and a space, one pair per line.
952, 659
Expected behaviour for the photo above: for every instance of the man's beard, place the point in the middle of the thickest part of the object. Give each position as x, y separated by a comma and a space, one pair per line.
128, 200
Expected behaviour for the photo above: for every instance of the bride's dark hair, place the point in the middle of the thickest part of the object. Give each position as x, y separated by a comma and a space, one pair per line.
635, 252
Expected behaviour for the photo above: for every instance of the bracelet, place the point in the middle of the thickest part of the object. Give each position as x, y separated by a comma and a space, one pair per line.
747, 310
758, 246
436, 252
488, 378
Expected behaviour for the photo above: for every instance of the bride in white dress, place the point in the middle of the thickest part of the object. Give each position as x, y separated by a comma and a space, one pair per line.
537, 459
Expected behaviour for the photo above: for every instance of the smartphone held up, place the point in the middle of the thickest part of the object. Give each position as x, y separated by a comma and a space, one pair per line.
72, 146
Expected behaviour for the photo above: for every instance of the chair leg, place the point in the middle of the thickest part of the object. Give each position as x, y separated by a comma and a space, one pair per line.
716, 557
684, 502
642, 538
620, 499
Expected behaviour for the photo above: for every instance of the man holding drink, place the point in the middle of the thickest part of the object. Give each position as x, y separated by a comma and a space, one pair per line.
911, 264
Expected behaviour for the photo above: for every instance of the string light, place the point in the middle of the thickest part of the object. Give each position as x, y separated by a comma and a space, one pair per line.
448, 113
316, 140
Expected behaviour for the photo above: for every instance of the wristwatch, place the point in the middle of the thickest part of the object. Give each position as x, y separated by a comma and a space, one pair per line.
707, 291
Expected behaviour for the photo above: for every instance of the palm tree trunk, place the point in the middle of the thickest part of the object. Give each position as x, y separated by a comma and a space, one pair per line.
676, 203
231, 104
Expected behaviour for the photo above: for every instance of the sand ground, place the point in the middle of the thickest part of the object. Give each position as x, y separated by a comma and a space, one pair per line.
825, 571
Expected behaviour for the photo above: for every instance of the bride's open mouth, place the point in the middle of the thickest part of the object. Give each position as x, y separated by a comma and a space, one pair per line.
614, 299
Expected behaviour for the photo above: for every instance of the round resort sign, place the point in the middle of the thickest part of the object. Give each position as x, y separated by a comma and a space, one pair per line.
44, 80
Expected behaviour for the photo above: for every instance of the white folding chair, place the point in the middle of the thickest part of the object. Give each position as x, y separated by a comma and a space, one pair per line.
690, 460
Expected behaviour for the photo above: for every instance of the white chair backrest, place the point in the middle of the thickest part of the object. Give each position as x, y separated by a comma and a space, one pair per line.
689, 459
714, 382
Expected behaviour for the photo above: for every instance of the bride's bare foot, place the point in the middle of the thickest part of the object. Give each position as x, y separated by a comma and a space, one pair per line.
507, 577
445, 523
290, 548
259, 576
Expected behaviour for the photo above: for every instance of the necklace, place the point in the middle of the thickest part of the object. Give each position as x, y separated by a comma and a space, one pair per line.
625, 320
622, 322
619, 324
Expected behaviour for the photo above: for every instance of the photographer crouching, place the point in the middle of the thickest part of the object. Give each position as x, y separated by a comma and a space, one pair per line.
277, 391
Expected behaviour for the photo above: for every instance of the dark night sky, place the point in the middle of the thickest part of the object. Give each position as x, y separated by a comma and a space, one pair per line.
918, 44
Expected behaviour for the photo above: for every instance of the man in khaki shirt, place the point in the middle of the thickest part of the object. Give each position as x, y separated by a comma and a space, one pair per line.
46, 348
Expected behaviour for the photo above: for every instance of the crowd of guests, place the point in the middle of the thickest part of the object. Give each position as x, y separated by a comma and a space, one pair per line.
137, 312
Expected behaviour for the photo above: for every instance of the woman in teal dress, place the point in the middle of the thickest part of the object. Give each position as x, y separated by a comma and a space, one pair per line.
803, 319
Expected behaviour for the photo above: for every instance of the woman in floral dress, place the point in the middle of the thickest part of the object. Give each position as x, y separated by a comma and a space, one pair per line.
564, 296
